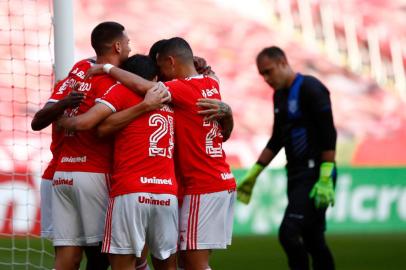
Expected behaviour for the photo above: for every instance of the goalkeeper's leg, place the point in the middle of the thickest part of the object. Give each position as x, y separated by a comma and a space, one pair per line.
291, 241
316, 245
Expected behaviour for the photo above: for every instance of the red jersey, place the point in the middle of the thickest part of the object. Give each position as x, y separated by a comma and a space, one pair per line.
62, 89
84, 151
143, 150
200, 158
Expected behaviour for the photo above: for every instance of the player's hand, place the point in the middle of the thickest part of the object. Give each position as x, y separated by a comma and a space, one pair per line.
155, 97
213, 109
323, 191
245, 188
96, 69
74, 98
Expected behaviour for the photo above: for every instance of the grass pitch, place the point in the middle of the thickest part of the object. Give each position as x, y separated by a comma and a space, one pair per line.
351, 252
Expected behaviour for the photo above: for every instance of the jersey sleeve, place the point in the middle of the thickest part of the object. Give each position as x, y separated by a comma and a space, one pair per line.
115, 97
316, 96
317, 99
60, 90
275, 143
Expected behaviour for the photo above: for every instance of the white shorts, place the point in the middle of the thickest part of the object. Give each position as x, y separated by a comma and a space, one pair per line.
136, 219
79, 203
206, 220
46, 208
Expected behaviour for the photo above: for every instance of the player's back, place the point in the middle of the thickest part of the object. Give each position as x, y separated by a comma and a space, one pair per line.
143, 150
84, 151
61, 89
200, 158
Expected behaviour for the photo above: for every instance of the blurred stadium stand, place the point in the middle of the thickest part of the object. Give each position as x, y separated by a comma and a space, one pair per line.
369, 108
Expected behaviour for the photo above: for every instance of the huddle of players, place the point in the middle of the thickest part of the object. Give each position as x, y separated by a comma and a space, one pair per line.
123, 190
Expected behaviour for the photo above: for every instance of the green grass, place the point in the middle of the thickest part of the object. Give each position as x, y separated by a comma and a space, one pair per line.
358, 252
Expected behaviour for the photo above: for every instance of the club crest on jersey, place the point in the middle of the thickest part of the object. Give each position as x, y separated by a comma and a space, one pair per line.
209, 92
292, 106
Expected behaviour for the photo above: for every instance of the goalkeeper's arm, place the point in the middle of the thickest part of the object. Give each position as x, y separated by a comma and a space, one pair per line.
244, 189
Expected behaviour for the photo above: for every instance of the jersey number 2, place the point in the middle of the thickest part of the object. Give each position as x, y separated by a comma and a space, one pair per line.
211, 150
165, 125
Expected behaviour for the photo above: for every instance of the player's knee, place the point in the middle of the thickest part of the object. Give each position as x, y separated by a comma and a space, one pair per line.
289, 235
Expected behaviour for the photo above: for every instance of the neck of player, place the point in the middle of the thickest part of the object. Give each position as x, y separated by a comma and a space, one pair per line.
108, 59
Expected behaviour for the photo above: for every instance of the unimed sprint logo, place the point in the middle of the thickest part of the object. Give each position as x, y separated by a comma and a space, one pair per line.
73, 159
62, 181
145, 200
154, 180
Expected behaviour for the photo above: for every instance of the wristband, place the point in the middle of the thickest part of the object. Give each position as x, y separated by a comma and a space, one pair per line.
107, 67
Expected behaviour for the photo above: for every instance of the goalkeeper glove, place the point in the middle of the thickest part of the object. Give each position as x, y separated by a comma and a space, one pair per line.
323, 191
244, 190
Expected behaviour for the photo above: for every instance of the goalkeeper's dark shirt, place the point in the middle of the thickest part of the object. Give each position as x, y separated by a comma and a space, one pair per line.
303, 123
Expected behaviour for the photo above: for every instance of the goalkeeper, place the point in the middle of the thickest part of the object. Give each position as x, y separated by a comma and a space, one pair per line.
303, 125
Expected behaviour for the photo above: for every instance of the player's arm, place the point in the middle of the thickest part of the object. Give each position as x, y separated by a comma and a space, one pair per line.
53, 110
88, 120
153, 100
214, 109
134, 82
318, 100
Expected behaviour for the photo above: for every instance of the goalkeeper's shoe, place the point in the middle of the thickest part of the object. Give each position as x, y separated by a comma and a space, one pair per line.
244, 189
323, 191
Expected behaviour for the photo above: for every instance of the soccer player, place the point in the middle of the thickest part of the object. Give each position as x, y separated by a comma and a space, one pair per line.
61, 99
143, 206
209, 186
80, 191
304, 127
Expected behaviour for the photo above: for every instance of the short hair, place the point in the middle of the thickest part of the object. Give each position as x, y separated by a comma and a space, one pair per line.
153, 51
272, 52
103, 36
141, 65
177, 47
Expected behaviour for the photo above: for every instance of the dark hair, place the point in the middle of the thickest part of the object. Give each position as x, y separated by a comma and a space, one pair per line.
153, 51
272, 52
103, 36
141, 65
177, 47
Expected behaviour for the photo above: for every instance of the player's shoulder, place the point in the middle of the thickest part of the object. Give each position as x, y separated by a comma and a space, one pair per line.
312, 85
79, 68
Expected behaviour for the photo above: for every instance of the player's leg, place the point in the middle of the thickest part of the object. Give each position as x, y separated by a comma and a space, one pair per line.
291, 240
205, 224
67, 229
68, 257
315, 242
196, 259
95, 258
142, 263
122, 262
167, 264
